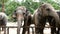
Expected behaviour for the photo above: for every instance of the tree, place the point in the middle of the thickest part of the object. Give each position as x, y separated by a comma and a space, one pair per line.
2, 3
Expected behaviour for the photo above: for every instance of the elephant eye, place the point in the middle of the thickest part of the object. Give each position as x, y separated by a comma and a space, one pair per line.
48, 9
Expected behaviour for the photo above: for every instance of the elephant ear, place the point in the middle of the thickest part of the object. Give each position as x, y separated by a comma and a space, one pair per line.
39, 12
27, 12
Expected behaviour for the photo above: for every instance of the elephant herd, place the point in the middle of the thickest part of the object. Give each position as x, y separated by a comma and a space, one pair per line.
44, 13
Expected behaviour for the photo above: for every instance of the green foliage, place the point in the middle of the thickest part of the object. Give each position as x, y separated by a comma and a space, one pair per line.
31, 6
10, 6
54, 4
2, 1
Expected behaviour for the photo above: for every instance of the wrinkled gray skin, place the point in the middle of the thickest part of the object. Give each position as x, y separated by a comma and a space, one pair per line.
25, 16
43, 14
3, 21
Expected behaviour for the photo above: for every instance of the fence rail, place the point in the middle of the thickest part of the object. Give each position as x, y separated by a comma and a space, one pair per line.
24, 27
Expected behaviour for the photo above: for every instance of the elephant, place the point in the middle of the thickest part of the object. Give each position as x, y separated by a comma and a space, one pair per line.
3, 21
45, 13
23, 14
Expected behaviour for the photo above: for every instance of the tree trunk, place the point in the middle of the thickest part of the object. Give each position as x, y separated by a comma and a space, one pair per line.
3, 6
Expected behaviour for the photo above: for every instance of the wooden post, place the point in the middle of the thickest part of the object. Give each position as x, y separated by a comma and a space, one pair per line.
8, 30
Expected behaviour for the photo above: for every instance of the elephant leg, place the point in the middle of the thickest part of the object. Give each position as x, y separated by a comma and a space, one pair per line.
4, 29
40, 27
24, 31
27, 29
58, 31
53, 28
39, 30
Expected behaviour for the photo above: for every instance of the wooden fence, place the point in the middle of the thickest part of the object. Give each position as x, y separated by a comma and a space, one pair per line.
7, 27
22, 27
